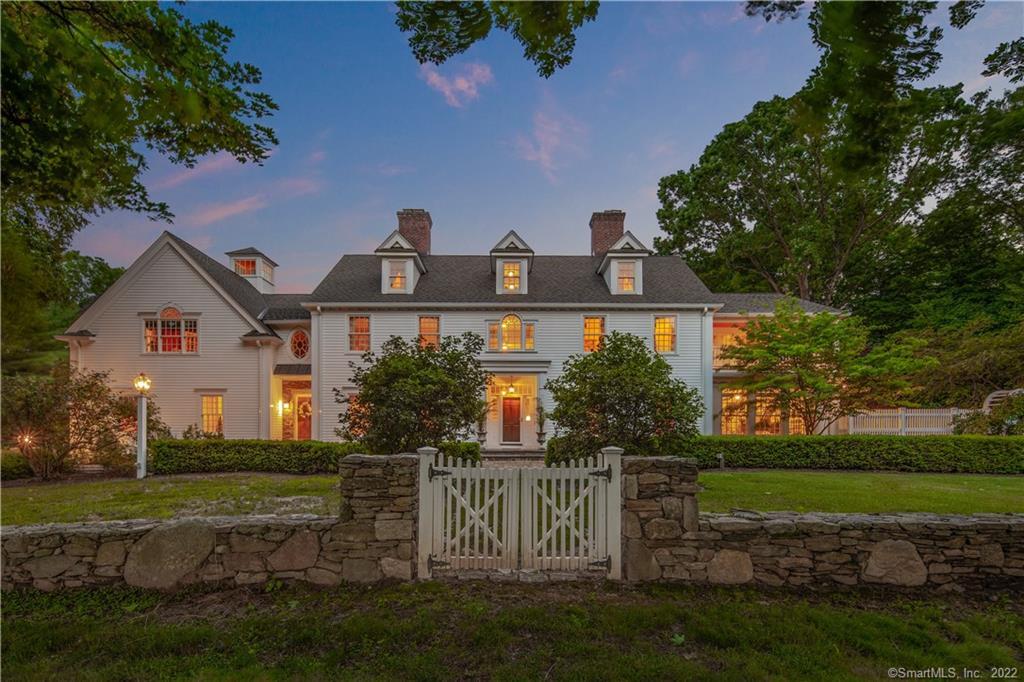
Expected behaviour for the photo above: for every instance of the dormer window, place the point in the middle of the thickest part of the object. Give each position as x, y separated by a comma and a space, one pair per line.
246, 267
396, 275
511, 276
627, 276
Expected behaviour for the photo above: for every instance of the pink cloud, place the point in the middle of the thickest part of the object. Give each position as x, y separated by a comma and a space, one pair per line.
317, 156
462, 87
298, 187
208, 166
212, 213
555, 136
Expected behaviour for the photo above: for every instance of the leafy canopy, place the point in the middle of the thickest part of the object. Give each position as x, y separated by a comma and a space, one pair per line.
623, 395
820, 366
546, 30
411, 396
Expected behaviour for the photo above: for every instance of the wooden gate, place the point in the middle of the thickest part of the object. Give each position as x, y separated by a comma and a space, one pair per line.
563, 518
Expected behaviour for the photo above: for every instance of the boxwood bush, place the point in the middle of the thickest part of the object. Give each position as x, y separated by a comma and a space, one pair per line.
941, 454
274, 456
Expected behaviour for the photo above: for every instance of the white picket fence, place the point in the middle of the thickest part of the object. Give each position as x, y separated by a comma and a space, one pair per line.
562, 518
906, 422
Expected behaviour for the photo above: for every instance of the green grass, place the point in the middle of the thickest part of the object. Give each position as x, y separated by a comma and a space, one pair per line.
856, 491
168, 496
492, 631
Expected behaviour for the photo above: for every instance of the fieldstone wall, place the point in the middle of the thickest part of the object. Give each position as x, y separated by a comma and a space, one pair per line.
664, 539
373, 539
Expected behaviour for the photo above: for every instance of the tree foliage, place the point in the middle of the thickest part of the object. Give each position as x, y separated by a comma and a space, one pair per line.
69, 417
546, 30
623, 395
820, 367
411, 396
1005, 419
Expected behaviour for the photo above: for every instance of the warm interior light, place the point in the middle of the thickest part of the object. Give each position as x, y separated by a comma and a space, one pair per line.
142, 383
528, 418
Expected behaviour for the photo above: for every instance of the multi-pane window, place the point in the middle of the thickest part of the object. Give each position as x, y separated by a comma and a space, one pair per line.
593, 333
511, 334
725, 335
396, 275
796, 424
268, 271
627, 276
359, 333
246, 267
171, 333
300, 344
213, 413
510, 276
665, 334
767, 415
430, 331
734, 412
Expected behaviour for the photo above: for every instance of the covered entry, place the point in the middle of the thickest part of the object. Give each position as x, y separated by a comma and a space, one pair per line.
512, 413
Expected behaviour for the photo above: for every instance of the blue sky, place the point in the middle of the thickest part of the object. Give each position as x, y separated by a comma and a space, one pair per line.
482, 142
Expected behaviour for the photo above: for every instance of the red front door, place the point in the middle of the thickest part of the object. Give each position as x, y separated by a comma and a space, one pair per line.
304, 417
510, 420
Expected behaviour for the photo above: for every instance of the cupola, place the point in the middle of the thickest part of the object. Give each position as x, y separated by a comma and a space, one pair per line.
255, 267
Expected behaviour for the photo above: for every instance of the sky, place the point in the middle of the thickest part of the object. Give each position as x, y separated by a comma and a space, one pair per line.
482, 142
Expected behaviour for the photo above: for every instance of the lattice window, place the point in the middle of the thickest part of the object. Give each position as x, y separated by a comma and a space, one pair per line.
734, 412
430, 331
593, 333
768, 415
396, 275
300, 344
511, 276
246, 267
213, 413
665, 334
511, 333
171, 333
359, 333
627, 276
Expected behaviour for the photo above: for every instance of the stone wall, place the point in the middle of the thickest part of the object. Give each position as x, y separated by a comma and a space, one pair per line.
373, 539
664, 539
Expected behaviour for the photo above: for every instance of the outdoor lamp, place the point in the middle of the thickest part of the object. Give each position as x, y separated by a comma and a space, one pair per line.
143, 383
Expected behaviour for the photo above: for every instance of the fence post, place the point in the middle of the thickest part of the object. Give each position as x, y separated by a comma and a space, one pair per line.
613, 456
903, 421
425, 535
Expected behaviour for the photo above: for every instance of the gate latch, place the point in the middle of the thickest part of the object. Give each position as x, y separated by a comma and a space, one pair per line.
432, 562
605, 563
432, 472
605, 473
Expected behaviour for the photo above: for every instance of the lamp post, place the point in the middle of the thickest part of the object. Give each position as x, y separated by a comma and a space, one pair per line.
142, 385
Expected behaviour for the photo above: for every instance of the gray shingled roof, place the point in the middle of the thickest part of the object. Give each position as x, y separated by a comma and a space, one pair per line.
297, 369
764, 303
285, 307
251, 251
468, 279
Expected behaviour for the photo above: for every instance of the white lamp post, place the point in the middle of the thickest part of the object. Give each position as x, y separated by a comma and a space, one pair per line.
142, 385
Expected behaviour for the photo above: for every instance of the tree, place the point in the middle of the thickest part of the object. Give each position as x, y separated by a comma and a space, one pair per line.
411, 396
70, 416
820, 367
623, 395
546, 30
1005, 419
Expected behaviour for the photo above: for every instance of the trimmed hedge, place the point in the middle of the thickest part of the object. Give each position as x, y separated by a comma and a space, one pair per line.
939, 454
174, 456
14, 465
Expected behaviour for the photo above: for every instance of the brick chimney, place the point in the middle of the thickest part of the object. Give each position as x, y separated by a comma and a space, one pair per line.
606, 227
414, 224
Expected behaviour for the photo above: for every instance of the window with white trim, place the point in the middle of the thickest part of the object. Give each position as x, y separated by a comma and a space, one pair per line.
627, 276
510, 335
171, 332
665, 333
212, 413
300, 344
246, 267
396, 275
359, 333
593, 334
511, 279
430, 331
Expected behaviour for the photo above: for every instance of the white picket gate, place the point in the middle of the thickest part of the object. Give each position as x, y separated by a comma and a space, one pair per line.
563, 518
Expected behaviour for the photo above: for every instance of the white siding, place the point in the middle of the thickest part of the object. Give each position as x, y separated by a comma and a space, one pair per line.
558, 335
223, 362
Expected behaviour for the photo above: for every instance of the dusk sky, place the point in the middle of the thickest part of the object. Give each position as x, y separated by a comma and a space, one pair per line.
482, 142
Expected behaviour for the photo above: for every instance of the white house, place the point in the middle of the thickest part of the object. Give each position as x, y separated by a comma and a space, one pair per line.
228, 354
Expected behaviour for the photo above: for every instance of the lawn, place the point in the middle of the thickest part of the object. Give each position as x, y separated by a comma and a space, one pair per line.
229, 494
495, 631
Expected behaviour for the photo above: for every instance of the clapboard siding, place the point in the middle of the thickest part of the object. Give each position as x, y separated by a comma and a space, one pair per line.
559, 334
223, 363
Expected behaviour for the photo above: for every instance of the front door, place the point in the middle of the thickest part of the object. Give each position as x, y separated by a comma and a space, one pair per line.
303, 417
510, 409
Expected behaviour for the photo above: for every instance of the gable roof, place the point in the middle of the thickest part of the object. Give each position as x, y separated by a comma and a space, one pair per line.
251, 251
554, 279
736, 304
284, 307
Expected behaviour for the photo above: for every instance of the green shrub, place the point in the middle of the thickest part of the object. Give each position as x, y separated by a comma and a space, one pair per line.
1005, 419
466, 450
942, 454
14, 465
275, 456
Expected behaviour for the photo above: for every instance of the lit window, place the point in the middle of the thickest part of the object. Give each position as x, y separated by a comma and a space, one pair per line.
300, 343
268, 271
213, 413
510, 276
511, 333
359, 333
726, 335
593, 333
665, 334
796, 424
171, 333
734, 412
492, 336
246, 267
627, 276
430, 332
528, 332
768, 416
396, 275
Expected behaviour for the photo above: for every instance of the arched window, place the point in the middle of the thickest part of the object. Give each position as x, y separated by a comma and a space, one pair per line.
300, 344
511, 332
170, 313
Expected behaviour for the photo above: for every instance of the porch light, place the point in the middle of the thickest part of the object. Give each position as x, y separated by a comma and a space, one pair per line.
528, 418
283, 408
142, 383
